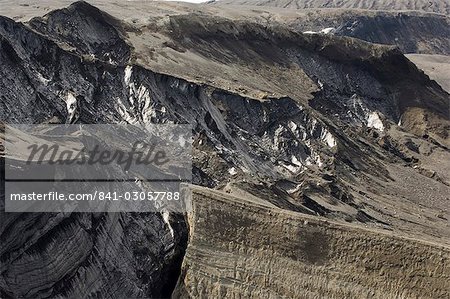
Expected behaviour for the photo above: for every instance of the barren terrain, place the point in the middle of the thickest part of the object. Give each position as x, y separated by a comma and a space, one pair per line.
320, 158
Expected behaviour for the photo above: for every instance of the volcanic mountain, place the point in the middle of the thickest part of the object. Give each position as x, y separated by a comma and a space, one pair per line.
319, 159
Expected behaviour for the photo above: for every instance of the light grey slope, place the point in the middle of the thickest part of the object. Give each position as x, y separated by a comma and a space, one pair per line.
437, 6
435, 66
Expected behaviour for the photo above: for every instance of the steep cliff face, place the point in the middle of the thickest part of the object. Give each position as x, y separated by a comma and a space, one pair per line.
236, 249
318, 124
114, 255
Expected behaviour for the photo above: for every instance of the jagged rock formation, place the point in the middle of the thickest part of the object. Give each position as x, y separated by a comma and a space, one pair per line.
323, 125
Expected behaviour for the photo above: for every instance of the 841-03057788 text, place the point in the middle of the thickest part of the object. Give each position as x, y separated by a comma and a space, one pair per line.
137, 195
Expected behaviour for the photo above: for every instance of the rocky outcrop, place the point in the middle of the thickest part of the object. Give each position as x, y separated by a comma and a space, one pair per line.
86, 30
239, 247
87, 255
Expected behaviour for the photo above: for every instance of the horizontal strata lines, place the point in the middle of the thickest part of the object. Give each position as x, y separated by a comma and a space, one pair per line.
281, 252
437, 6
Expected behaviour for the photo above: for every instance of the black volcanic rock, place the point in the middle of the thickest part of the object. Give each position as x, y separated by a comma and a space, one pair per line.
88, 30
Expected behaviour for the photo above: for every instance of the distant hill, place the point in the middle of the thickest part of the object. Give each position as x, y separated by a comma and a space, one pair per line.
437, 6
412, 32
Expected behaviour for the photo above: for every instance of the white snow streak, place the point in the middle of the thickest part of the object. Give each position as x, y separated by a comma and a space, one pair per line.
328, 30
128, 73
165, 216
71, 105
374, 121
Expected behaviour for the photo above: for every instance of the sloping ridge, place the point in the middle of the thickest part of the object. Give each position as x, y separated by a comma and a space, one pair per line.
411, 31
437, 6
233, 55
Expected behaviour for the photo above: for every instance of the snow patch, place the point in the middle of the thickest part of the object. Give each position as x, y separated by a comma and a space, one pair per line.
314, 159
313, 127
295, 161
328, 30
144, 100
165, 216
42, 79
308, 161
374, 121
320, 84
328, 138
295, 189
123, 111
295, 166
232, 171
292, 125
318, 160
304, 136
292, 168
110, 60
277, 136
127, 75
139, 99
71, 105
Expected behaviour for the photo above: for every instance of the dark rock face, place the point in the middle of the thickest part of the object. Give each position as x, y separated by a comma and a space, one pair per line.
109, 255
88, 255
87, 30
324, 156
412, 33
